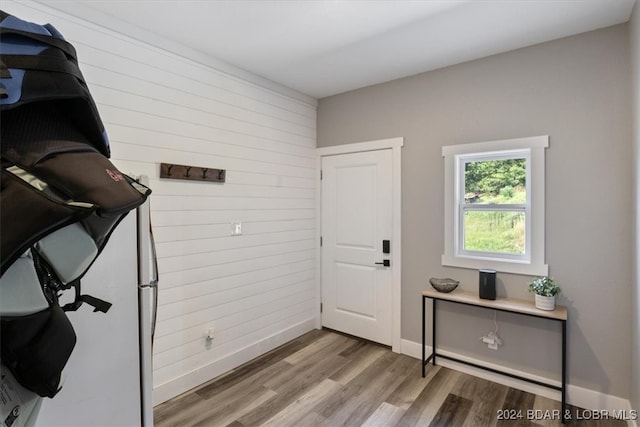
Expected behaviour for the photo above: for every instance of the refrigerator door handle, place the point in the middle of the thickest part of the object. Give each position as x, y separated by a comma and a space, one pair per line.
153, 283
154, 257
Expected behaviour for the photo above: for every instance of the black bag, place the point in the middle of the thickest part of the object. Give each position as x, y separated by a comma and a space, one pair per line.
36, 348
56, 181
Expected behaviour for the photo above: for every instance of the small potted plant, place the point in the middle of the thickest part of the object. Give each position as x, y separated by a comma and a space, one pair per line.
545, 290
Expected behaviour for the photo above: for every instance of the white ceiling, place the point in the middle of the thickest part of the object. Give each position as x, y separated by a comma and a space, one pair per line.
325, 47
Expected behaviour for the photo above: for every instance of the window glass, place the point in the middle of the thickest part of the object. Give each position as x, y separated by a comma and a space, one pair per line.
495, 231
495, 181
494, 206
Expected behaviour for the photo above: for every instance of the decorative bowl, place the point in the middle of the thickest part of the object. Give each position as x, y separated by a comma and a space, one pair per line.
444, 285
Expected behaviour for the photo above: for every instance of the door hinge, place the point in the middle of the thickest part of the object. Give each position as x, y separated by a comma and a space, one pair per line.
320, 241
320, 174
320, 307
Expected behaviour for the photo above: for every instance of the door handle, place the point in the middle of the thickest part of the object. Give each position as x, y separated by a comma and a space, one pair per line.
385, 262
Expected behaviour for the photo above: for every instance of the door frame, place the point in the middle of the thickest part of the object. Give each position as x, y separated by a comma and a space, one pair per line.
395, 144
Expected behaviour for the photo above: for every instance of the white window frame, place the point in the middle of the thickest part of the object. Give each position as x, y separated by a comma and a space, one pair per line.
455, 157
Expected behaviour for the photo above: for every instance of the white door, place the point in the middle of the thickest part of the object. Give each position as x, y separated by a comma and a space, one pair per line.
356, 218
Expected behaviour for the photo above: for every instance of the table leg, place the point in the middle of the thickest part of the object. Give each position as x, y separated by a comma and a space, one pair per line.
423, 335
433, 332
564, 370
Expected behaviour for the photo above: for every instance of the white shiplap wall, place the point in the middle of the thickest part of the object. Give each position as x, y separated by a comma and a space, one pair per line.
256, 290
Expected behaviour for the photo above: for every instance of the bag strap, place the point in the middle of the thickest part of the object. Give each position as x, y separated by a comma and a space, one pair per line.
41, 63
97, 304
51, 285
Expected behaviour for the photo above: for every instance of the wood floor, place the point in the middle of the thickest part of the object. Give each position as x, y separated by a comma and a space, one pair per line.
325, 378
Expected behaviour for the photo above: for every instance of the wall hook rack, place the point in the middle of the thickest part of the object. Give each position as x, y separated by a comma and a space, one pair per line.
192, 173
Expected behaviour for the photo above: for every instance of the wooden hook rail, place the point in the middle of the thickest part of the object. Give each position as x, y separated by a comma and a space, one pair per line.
191, 173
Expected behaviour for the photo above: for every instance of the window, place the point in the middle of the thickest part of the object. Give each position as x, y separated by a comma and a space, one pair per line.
494, 205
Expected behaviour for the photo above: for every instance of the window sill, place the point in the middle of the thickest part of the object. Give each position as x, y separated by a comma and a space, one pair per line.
526, 269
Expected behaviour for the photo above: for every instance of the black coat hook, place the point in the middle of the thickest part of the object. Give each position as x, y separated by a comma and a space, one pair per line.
184, 172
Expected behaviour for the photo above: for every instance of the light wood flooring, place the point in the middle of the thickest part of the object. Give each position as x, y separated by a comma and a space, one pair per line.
325, 378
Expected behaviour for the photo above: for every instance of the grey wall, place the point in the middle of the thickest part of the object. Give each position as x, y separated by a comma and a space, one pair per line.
634, 33
576, 90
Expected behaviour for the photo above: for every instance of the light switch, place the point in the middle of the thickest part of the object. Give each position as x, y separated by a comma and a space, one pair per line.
236, 228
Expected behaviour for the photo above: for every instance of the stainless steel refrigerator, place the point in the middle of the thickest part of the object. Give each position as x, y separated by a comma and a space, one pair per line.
108, 378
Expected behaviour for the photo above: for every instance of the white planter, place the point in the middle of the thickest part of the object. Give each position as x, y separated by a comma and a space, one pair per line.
545, 303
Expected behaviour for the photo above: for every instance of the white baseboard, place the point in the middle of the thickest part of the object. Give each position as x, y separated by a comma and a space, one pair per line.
193, 379
577, 396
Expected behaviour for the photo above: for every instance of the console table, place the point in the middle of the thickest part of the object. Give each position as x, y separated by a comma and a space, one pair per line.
501, 304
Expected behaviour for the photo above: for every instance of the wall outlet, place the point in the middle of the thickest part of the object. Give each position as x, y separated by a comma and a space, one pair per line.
236, 228
492, 340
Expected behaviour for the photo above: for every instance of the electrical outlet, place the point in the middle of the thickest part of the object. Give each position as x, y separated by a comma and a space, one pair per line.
236, 228
492, 340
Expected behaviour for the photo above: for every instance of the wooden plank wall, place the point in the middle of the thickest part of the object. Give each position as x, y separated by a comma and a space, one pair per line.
158, 107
